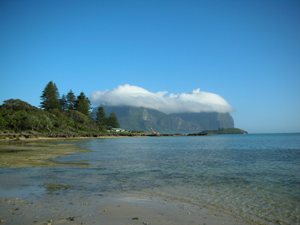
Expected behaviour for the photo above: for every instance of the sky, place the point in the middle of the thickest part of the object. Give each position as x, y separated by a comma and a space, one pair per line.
246, 53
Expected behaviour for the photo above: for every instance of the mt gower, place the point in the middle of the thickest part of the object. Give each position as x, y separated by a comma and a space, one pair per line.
139, 109
145, 119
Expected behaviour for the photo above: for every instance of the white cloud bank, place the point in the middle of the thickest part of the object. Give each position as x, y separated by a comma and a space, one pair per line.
129, 95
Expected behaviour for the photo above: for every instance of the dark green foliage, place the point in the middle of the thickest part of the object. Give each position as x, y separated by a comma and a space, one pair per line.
3, 122
17, 104
106, 122
83, 104
71, 100
63, 102
101, 118
50, 97
112, 121
64, 117
17, 116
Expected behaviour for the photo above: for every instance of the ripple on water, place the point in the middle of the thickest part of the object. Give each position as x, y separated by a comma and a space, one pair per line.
255, 177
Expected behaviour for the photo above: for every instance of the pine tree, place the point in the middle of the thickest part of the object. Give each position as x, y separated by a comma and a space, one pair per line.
83, 104
50, 97
71, 100
112, 121
63, 102
101, 118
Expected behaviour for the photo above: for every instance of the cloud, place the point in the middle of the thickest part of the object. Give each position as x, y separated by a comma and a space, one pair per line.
130, 95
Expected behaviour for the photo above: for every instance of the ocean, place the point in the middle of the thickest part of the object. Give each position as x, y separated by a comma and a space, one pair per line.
255, 177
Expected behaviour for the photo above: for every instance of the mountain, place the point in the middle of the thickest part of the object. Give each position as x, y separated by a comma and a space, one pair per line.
145, 119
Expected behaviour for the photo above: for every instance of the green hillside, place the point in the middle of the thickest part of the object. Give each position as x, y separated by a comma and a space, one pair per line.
59, 116
17, 116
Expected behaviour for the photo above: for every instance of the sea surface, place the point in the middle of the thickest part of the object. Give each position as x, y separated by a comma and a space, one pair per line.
255, 177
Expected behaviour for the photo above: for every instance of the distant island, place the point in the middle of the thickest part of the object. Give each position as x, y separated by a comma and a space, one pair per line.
69, 116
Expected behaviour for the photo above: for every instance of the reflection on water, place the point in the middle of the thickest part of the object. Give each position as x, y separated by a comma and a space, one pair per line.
254, 176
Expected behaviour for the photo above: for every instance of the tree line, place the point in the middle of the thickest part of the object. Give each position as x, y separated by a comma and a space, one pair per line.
58, 116
51, 100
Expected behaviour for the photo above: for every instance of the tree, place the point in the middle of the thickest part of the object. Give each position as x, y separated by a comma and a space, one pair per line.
63, 102
71, 100
83, 104
101, 118
112, 121
50, 97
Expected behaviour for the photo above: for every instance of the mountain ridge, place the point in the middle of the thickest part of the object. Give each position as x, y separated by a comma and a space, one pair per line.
146, 119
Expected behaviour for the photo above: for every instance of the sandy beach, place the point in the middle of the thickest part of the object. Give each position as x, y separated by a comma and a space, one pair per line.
124, 209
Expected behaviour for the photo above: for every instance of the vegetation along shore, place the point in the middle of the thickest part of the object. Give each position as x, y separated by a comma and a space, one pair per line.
67, 116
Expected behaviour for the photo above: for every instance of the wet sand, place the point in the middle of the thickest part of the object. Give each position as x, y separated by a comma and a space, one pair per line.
109, 210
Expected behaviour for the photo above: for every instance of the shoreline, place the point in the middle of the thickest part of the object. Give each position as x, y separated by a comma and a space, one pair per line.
30, 135
48, 138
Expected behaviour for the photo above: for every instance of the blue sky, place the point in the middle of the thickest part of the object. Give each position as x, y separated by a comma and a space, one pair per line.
248, 52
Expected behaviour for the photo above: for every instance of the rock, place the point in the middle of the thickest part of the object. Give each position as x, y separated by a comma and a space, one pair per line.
71, 218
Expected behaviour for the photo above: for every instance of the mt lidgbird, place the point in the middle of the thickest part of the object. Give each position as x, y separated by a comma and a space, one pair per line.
143, 119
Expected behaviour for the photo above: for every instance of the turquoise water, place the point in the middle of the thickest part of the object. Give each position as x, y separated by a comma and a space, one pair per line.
255, 177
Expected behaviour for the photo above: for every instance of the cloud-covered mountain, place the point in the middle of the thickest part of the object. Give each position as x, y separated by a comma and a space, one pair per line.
145, 119
193, 102
140, 109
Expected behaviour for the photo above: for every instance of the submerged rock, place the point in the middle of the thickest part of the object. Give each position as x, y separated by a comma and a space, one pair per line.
56, 187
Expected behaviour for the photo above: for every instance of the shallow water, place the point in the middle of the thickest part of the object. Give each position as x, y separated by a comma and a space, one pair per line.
255, 177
